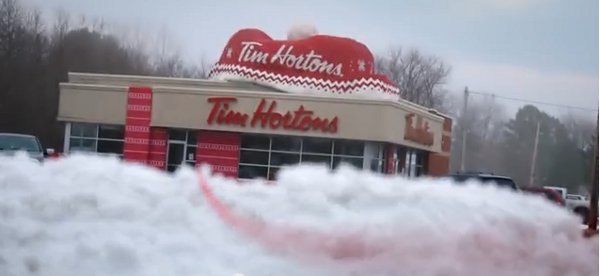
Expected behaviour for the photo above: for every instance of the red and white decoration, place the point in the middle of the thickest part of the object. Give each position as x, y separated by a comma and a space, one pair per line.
137, 124
219, 149
306, 63
148, 145
158, 148
143, 144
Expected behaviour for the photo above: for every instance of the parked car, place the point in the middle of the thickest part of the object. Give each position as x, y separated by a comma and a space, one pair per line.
11, 143
550, 194
576, 203
561, 190
485, 178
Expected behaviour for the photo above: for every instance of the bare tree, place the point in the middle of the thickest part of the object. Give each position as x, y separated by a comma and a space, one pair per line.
484, 121
419, 77
198, 70
12, 42
62, 25
35, 59
22, 49
167, 60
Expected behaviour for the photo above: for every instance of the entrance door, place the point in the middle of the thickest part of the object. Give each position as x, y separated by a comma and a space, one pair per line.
175, 155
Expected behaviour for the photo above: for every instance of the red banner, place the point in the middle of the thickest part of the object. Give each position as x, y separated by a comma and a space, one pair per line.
391, 159
221, 150
158, 148
137, 124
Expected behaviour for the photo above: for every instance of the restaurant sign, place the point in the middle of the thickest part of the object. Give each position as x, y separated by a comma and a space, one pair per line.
266, 115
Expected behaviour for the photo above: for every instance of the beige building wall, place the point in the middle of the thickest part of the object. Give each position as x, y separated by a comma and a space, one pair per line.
92, 103
183, 103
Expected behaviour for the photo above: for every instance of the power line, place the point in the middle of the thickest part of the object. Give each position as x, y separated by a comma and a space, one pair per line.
535, 102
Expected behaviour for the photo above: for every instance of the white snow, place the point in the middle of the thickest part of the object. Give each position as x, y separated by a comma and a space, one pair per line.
91, 215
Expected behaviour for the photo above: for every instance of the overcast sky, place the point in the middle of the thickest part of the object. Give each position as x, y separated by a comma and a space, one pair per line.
543, 50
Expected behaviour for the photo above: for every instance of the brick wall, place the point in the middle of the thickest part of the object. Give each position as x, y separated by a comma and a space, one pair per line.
439, 163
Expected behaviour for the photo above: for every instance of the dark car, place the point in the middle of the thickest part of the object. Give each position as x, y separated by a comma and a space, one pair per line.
11, 143
485, 178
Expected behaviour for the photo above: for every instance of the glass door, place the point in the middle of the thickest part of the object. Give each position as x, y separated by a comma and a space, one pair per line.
181, 149
175, 155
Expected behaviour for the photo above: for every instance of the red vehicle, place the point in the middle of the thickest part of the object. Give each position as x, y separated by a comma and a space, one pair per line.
550, 194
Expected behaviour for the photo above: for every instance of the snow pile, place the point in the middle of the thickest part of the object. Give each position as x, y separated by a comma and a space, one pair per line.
89, 215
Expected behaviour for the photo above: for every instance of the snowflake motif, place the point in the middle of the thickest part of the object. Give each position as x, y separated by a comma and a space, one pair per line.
229, 52
361, 65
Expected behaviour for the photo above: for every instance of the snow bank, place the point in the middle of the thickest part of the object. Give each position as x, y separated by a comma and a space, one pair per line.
89, 215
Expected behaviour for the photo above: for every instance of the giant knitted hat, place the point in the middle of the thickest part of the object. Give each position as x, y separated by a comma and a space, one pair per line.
305, 63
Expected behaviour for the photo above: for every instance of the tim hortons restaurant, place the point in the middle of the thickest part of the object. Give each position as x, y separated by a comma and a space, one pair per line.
266, 104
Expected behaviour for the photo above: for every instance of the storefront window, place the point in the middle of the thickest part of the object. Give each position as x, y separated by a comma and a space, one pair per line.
254, 157
84, 130
286, 143
104, 139
109, 146
282, 159
111, 132
82, 145
349, 148
313, 158
262, 156
374, 157
191, 138
354, 161
376, 165
317, 145
256, 142
273, 172
249, 171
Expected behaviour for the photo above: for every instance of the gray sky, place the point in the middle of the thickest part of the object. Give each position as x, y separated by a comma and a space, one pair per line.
543, 50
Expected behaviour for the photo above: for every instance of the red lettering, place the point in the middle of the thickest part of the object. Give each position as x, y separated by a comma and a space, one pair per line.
220, 111
301, 119
259, 114
318, 123
300, 113
275, 121
305, 124
287, 120
333, 126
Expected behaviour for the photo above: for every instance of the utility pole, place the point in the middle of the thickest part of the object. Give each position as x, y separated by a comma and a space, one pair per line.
534, 155
593, 215
464, 129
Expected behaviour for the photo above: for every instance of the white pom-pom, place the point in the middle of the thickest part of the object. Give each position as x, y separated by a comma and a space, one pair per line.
301, 31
